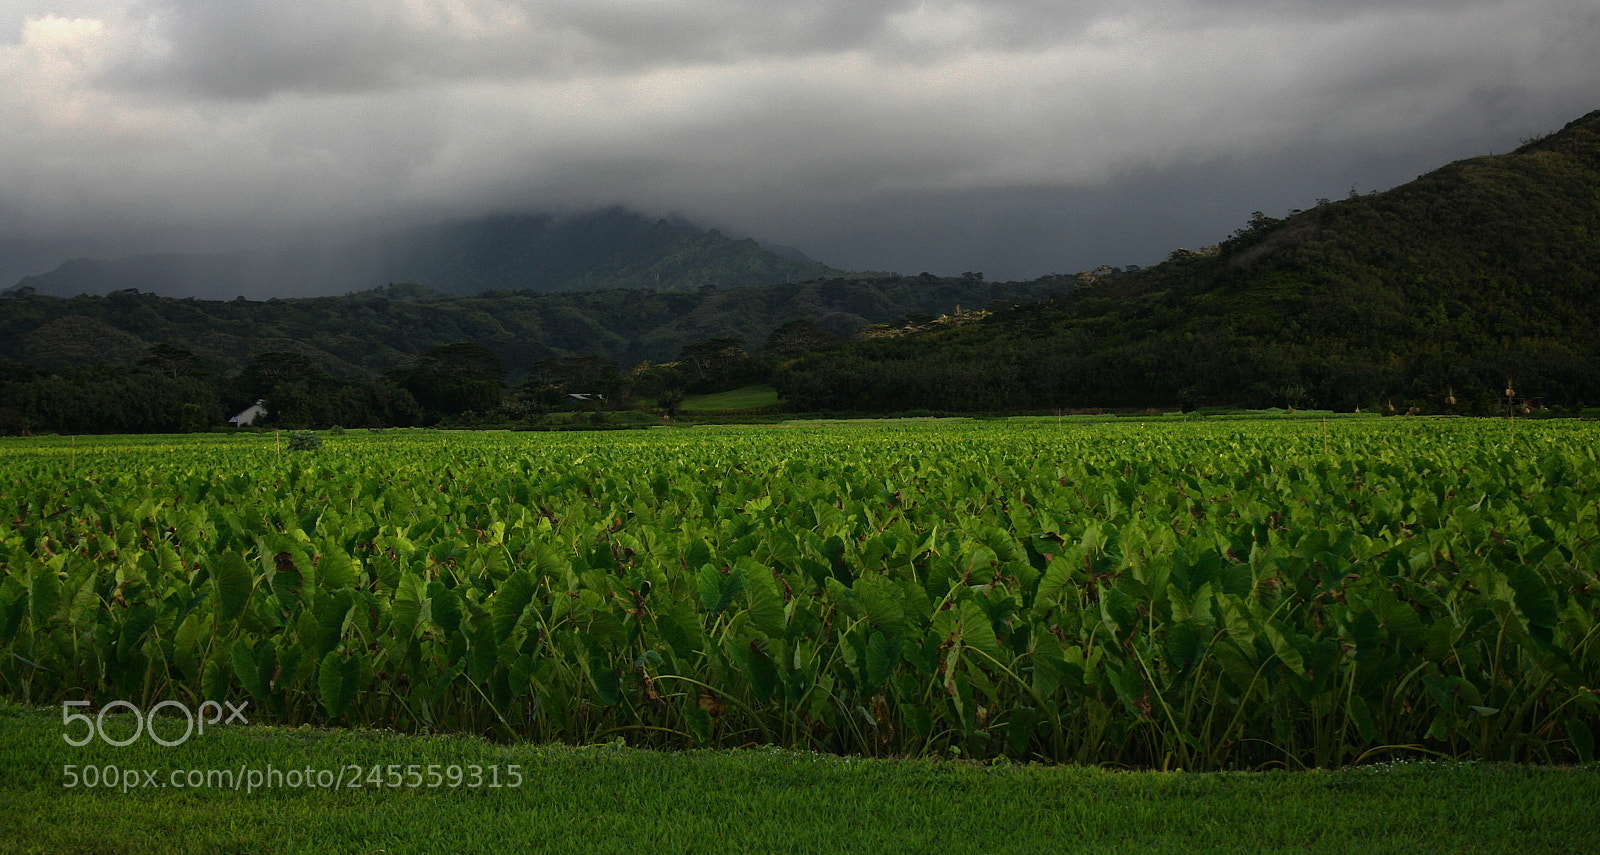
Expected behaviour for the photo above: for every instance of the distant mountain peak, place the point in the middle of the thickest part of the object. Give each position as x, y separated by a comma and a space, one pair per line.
544, 251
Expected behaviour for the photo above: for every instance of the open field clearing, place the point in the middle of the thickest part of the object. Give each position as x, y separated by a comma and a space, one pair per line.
1195, 595
743, 398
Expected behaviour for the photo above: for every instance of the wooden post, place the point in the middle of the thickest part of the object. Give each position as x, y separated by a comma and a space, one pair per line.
1511, 407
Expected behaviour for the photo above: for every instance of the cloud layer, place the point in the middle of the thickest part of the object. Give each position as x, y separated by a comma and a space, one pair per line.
1019, 134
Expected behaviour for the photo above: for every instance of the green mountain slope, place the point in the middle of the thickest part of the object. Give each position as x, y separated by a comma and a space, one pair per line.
1483, 271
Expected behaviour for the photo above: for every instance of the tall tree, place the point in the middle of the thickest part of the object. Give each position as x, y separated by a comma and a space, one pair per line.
455, 379
172, 361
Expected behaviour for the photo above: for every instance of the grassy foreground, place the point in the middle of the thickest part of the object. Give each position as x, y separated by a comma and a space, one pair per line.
615, 799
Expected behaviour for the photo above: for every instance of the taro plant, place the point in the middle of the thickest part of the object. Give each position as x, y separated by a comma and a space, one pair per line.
1195, 595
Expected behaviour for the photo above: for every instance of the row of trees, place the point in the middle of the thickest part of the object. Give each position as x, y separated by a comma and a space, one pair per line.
984, 371
461, 383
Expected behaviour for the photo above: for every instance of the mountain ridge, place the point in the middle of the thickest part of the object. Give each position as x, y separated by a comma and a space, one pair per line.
605, 248
1481, 271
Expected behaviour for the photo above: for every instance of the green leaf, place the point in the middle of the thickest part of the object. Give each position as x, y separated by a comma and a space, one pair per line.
168, 561
1398, 617
716, 590
1287, 654
765, 603
1019, 730
1362, 716
288, 584
921, 721
1129, 685
134, 627
709, 582
1541, 527
1119, 609
214, 676
186, 645
508, 603
46, 596
1183, 645
406, 610
844, 598
331, 611
483, 654
699, 720
336, 570
1440, 688
757, 666
1057, 579
523, 671
446, 607
976, 629
254, 667
337, 681
697, 554
834, 550
15, 596
680, 628
232, 582
881, 598
1535, 600
883, 656
603, 677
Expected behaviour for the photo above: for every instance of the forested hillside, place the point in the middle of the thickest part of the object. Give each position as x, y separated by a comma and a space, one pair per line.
366, 334
1480, 276
129, 362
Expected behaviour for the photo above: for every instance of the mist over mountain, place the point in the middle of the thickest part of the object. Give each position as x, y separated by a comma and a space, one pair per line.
542, 252
1473, 289
611, 248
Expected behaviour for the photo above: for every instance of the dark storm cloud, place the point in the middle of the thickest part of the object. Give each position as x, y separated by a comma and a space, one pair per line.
1016, 136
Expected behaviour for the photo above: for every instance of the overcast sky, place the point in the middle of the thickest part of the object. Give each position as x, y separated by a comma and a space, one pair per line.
1013, 137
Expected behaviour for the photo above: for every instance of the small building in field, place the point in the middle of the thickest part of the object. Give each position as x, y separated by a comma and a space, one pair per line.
249, 416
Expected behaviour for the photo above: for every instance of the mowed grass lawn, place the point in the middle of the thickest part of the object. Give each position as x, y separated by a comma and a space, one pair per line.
742, 398
611, 798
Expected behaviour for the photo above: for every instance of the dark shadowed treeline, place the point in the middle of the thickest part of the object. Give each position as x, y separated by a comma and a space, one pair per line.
404, 355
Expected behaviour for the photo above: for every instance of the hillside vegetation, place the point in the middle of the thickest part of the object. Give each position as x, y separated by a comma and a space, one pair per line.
1482, 274
132, 362
368, 333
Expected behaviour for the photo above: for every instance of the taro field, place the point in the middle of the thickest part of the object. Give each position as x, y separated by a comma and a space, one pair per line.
1204, 595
